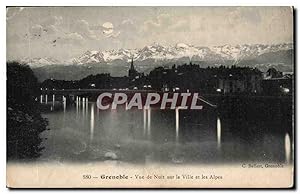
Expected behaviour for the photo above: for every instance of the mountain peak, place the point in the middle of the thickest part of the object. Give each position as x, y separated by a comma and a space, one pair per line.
181, 45
158, 52
156, 44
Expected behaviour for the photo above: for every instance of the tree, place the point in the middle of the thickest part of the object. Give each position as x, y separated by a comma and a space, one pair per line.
24, 120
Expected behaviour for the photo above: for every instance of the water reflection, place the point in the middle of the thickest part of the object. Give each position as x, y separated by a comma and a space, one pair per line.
149, 122
86, 107
145, 121
53, 100
219, 132
150, 135
177, 123
92, 123
64, 103
287, 144
77, 106
83, 107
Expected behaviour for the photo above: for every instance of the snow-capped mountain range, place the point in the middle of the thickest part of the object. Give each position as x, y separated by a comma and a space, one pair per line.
158, 52
39, 61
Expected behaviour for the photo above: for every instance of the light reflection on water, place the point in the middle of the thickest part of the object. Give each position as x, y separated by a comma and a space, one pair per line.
287, 141
219, 132
82, 132
92, 123
53, 101
149, 123
177, 123
145, 121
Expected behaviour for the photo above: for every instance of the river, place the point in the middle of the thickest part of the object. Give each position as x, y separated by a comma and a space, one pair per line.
83, 133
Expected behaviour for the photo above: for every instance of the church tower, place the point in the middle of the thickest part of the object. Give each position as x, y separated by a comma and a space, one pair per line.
132, 72
132, 66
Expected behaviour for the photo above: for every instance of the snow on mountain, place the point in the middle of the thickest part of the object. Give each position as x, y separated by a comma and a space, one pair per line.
39, 61
160, 52
240, 52
89, 57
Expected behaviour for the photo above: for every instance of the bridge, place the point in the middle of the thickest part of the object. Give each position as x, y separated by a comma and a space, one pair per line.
92, 91
71, 95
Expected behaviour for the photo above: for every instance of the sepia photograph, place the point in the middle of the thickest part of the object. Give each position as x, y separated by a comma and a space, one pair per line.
150, 97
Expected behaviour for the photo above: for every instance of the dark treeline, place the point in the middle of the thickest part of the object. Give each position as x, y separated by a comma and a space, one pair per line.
187, 77
24, 121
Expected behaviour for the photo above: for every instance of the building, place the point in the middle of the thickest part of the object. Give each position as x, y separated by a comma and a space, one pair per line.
279, 85
240, 80
135, 78
132, 73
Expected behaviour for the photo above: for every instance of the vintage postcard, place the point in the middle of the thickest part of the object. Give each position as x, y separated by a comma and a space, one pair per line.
150, 97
